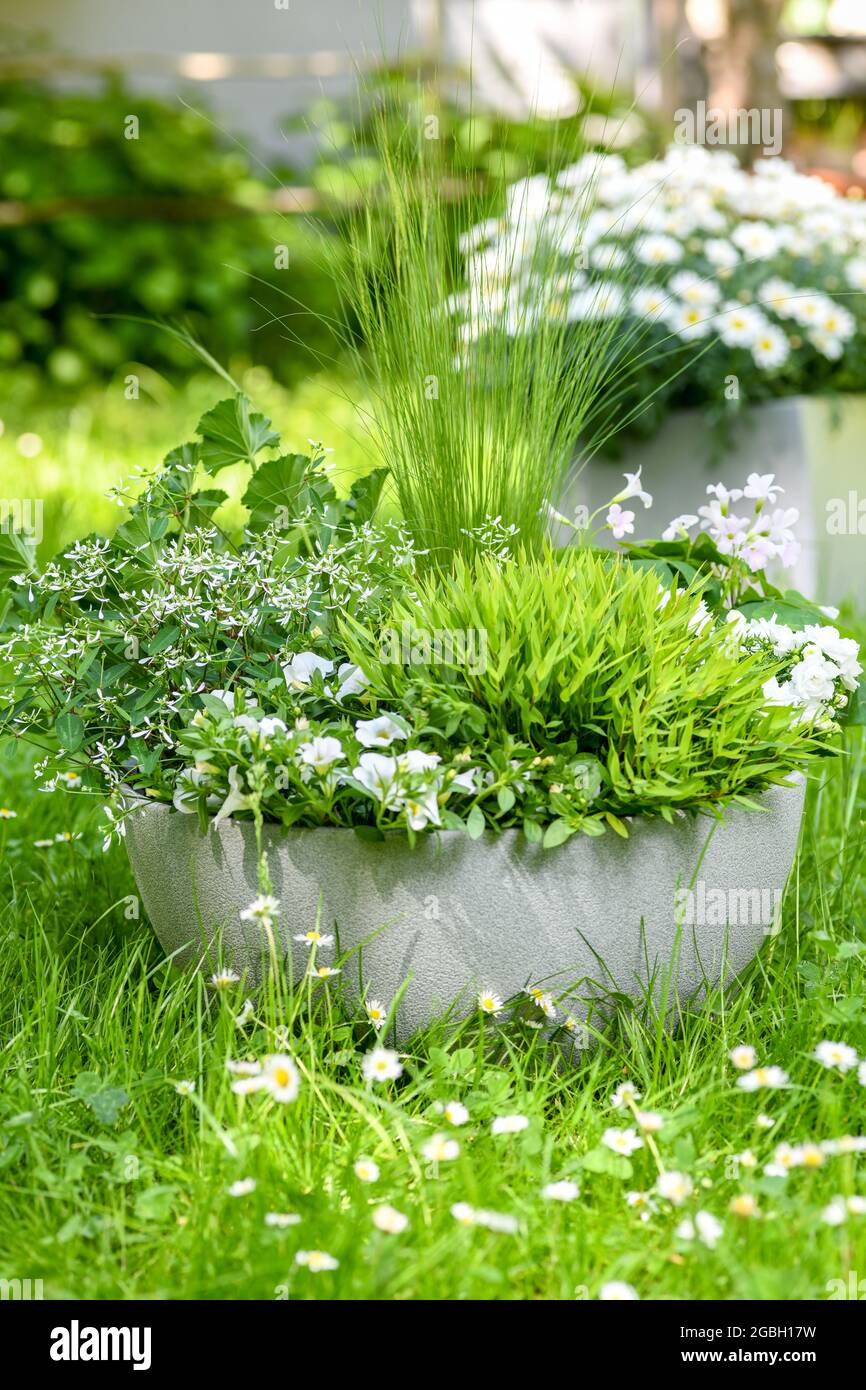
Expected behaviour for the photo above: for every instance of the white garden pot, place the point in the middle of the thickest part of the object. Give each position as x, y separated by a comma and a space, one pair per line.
815, 445
455, 915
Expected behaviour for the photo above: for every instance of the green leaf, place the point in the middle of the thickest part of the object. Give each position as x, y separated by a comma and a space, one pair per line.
532, 831
505, 798
106, 1102
232, 432
274, 491
70, 731
371, 833
602, 1160
17, 553
556, 834
475, 823
365, 493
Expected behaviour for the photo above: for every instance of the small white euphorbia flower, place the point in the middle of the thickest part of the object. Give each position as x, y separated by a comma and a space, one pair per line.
617, 1291
381, 1065
242, 1188
509, 1124
440, 1149
763, 1079
184, 1088
622, 1141
562, 1191
281, 1220
317, 1261
836, 1056
314, 937
743, 1057
625, 1094
366, 1170
388, 1219
490, 1002
456, 1113
674, 1187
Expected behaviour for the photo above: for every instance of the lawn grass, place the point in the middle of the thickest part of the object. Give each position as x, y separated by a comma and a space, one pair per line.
114, 1185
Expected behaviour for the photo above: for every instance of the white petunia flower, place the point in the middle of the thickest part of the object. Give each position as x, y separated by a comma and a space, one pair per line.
380, 732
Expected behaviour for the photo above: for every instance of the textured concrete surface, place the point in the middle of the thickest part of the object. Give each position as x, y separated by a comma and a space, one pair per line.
455, 915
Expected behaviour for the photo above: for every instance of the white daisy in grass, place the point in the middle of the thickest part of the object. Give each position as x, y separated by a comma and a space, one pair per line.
389, 1220
6, 813
618, 1291
856, 1205
43, 844
316, 1261
456, 1113
376, 1013
323, 972
746, 1159
861, 1073
625, 1094
641, 1202
705, 1228
489, 1002
744, 1204
366, 1170
764, 1121
441, 1149
835, 1213
280, 1077
562, 1191
245, 1014
224, 979
771, 347
314, 937
743, 1057
463, 1213
509, 1124
543, 1000
674, 1187
281, 1220
184, 1088
649, 1121
381, 1065
242, 1188
812, 1155
243, 1068
263, 909
622, 1141
498, 1221
763, 1079
835, 1056
69, 779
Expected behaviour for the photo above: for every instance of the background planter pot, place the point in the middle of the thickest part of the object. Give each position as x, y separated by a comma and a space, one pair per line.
813, 444
458, 915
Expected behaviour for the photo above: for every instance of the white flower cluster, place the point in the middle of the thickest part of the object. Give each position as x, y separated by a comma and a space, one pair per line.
764, 536
691, 241
822, 666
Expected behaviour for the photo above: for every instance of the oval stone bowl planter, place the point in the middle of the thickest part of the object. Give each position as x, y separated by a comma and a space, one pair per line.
671, 909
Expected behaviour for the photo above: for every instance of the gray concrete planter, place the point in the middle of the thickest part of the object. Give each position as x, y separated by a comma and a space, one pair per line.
815, 445
455, 915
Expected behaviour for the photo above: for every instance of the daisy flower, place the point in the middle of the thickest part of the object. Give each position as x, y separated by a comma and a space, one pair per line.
313, 937
389, 1220
835, 1056
456, 1113
674, 1187
184, 1088
743, 1057
563, 1191
376, 1013
281, 1220
317, 1261
509, 1124
242, 1188
224, 979
625, 1094
440, 1149
617, 1291
744, 1204
262, 909
490, 1003
763, 1078
366, 1170
323, 972
381, 1065
622, 1141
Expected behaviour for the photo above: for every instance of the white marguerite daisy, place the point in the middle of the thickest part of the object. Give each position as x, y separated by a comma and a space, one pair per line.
489, 1002
317, 1261
743, 1057
674, 1187
366, 1170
